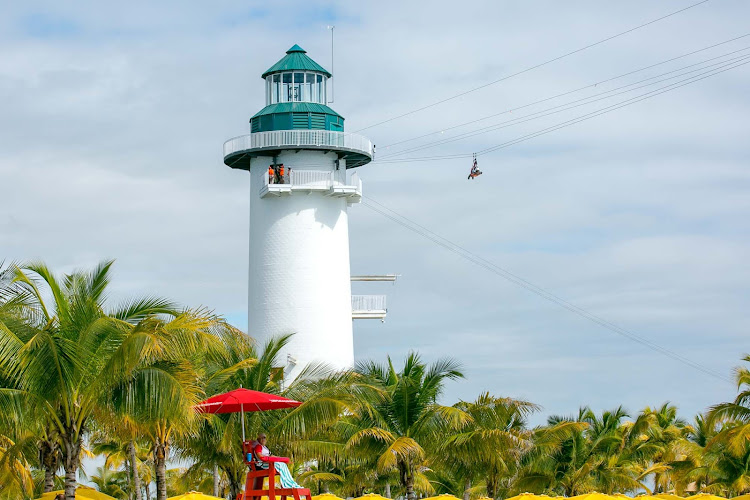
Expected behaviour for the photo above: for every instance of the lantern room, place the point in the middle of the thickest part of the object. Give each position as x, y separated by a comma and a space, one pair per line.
296, 96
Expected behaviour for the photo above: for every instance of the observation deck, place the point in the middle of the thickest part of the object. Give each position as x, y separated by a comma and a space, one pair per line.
357, 150
330, 183
369, 307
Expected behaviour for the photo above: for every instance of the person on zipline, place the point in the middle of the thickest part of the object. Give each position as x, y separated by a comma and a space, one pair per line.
475, 172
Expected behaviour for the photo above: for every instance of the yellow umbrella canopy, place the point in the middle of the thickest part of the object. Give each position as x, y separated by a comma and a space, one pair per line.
667, 496
83, 492
707, 496
369, 496
746, 496
194, 495
326, 496
530, 496
592, 496
444, 496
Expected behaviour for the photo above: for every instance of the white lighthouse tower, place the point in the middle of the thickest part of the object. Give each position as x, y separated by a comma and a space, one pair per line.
301, 182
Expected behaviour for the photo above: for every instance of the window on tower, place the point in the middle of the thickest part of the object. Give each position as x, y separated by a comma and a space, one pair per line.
299, 80
320, 89
295, 87
275, 88
307, 93
286, 87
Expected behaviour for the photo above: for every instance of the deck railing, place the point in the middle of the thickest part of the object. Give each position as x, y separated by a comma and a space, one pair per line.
313, 179
292, 138
367, 303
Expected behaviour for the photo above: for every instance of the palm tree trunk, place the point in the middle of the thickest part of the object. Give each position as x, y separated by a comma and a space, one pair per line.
492, 485
160, 468
467, 490
72, 447
235, 480
49, 479
216, 480
388, 490
134, 465
410, 487
234, 489
50, 463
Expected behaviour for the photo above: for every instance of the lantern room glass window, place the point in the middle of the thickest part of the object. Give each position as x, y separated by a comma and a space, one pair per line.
286, 87
296, 94
295, 87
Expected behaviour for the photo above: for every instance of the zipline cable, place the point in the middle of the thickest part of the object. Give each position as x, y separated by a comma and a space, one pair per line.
575, 104
575, 90
532, 67
513, 278
571, 122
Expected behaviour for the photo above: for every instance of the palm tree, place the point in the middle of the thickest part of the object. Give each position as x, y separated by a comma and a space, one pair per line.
63, 360
673, 456
728, 451
159, 395
15, 475
325, 396
403, 423
118, 441
728, 471
579, 455
736, 411
110, 482
491, 444
217, 441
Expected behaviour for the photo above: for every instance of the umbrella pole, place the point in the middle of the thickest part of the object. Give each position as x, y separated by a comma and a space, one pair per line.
242, 416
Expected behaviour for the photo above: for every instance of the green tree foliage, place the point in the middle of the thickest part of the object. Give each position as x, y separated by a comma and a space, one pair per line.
404, 421
124, 380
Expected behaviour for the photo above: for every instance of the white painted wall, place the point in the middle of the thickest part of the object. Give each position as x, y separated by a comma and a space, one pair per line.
299, 268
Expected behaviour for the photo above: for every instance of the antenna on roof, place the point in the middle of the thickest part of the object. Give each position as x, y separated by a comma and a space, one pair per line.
331, 27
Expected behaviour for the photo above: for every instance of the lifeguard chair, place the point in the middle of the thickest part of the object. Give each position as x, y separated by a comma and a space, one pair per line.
255, 472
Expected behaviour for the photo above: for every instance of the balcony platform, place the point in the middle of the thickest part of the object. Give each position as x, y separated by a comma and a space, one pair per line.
357, 150
330, 183
369, 307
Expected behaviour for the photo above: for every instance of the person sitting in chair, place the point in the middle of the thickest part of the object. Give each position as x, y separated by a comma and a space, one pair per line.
262, 459
261, 453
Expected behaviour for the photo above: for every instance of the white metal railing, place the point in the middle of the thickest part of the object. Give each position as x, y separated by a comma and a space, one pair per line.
313, 179
368, 303
291, 138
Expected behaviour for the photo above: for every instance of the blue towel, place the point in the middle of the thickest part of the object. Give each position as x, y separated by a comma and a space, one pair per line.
287, 481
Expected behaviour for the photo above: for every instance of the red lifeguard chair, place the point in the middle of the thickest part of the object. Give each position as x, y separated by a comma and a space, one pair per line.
255, 472
242, 400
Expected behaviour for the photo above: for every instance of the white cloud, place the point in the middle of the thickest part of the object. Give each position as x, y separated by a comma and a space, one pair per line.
113, 121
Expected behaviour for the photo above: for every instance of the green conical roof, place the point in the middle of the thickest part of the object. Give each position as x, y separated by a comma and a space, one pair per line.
296, 59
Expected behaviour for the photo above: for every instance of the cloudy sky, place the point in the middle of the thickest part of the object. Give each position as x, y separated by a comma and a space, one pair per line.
113, 117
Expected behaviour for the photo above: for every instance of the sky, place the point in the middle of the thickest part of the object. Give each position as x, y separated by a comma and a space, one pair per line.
114, 115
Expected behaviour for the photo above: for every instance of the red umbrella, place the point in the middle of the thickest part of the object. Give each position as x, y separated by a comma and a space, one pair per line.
242, 400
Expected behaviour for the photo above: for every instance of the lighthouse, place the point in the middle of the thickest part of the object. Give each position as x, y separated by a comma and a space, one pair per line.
302, 180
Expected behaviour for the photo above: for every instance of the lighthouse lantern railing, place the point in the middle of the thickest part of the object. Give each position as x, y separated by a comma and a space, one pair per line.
289, 138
